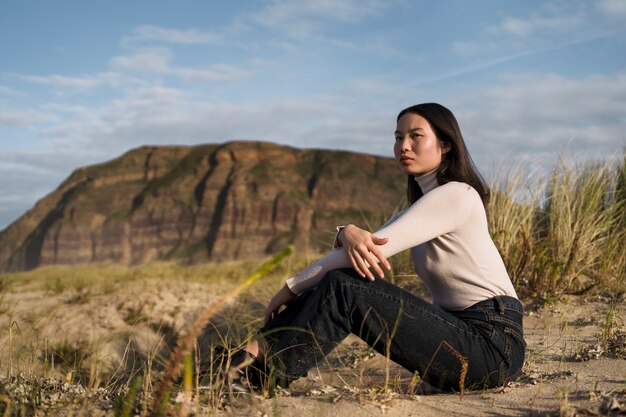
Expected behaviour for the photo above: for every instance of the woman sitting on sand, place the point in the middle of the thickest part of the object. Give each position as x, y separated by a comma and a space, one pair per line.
469, 337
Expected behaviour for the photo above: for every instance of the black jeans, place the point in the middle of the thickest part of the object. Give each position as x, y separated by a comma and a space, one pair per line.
479, 347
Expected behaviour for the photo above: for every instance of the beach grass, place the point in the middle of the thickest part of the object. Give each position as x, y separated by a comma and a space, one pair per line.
562, 234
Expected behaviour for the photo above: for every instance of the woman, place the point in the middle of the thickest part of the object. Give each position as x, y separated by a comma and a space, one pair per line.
469, 337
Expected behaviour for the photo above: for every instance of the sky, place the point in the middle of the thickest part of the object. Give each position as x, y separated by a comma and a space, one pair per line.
83, 82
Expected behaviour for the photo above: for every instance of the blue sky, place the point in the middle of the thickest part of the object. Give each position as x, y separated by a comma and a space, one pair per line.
82, 82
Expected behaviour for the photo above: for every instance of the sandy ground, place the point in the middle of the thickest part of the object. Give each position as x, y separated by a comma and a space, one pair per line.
123, 326
552, 384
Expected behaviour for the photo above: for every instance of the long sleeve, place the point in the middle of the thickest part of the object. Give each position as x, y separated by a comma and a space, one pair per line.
337, 244
438, 212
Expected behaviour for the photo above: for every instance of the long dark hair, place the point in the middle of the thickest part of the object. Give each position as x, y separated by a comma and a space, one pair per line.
456, 165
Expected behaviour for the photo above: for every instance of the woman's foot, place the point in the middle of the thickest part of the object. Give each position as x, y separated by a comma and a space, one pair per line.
239, 370
257, 348
244, 375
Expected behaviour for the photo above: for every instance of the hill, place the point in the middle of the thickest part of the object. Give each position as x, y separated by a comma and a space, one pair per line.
232, 201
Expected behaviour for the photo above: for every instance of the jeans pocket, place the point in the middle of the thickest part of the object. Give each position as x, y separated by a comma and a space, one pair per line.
512, 349
499, 367
504, 367
517, 351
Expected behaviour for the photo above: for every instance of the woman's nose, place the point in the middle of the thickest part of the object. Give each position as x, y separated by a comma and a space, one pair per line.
405, 144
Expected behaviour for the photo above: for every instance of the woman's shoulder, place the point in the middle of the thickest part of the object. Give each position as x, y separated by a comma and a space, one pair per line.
458, 187
461, 194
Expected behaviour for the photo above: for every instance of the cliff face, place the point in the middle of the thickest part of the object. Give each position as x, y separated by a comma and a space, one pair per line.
210, 202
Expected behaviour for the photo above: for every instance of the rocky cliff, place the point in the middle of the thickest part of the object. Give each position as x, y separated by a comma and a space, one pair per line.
237, 200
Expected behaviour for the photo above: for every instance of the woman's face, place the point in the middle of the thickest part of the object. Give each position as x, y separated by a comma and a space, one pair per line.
417, 148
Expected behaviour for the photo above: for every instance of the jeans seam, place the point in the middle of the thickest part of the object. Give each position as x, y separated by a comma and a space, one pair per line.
512, 332
500, 319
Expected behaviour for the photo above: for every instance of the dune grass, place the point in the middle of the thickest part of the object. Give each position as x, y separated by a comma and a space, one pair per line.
565, 234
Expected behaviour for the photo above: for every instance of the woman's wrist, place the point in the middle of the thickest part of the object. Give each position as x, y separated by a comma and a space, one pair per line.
288, 293
340, 230
288, 290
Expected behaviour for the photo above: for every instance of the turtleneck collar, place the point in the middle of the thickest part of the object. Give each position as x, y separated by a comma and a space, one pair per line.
428, 181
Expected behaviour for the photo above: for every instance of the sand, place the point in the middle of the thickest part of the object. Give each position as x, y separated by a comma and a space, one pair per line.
566, 372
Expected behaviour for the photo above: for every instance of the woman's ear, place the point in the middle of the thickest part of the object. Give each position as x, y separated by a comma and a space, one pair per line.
445, 147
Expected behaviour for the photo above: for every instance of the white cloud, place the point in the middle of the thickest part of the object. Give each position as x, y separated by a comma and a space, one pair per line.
152, 60
529, 115
27, 176
552, 25
83, 83
468, 48
43, 160
488, 63
159, 115
24, 118
378, 47
218, 72
157, 61
8, 91
550, 17
614, 9
12, 209
516, 26
302, 18
83, 112
158, 34
282, 11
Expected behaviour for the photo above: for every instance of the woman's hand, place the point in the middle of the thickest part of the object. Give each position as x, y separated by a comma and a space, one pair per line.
361, 246
282, 297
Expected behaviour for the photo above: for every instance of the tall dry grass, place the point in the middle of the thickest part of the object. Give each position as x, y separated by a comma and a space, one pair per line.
564, 234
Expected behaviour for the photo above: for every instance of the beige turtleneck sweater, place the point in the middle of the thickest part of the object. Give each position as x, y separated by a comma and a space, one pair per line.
452, 251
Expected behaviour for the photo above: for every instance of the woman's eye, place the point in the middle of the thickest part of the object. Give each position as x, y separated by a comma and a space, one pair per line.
398, 138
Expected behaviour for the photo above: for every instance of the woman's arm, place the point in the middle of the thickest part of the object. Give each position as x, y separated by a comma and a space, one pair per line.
282, 297
362, 249
438, 212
